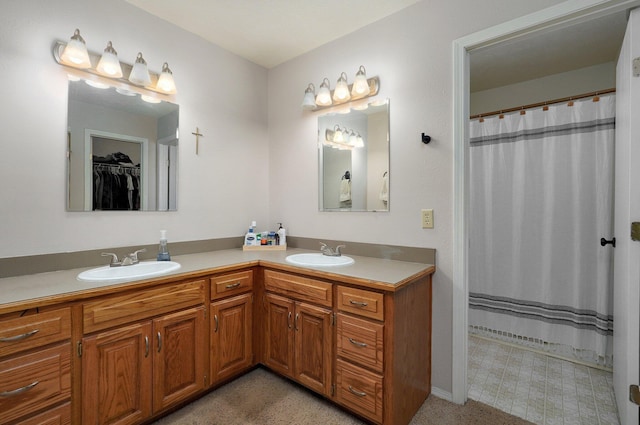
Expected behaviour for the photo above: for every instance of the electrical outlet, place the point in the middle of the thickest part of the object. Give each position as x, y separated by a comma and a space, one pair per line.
427, 219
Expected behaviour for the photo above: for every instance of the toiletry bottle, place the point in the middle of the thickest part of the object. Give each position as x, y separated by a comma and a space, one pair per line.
163, 250
250, 238
283, 235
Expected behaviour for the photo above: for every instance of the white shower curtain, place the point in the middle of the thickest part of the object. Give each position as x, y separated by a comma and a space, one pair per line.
541, 197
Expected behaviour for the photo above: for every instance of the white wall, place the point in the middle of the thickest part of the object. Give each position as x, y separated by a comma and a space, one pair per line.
219, 191
556, 86
411, 52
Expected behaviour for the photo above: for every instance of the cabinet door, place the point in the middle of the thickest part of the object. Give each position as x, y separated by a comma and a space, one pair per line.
231, 348
178, 364
313, 347
116, 376
279, 334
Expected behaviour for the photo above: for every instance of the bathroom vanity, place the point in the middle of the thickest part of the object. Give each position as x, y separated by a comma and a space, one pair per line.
77, 353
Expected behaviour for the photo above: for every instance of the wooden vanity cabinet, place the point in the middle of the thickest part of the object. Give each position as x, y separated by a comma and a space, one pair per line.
298, 336
35, 366
135, 370
231, 324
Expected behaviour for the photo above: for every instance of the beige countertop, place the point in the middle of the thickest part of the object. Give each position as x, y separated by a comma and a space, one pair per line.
29, 291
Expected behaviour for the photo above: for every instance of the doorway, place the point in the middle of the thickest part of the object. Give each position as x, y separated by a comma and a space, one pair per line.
559, 16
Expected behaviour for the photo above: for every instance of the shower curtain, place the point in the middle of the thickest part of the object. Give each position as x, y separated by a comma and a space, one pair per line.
541, 197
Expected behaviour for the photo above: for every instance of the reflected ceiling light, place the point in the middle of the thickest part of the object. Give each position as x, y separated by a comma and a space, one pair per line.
150, 99
359, 141
324, 94
341, 93
97, 84
342, 138
338, 137
360, 85
140, 73
309, 100
344, 93
75, 52
165, 81
109, 64
126, 92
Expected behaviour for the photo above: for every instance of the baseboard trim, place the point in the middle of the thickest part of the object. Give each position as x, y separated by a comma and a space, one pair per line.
445, 395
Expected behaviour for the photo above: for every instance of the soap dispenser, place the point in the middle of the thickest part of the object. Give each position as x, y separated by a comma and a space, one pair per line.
282, 234
163, 249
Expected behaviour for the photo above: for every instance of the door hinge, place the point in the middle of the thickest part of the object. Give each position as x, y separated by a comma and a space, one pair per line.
634, 394
333, 389
79, 348
333, 319
636, 67
635, 231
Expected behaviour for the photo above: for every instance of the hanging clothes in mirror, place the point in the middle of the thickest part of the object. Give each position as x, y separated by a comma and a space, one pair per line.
345, 190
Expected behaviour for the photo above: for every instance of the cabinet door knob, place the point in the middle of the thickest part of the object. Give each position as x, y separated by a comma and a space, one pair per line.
159, 342
215, 320
289, 320
297, 317
146, 346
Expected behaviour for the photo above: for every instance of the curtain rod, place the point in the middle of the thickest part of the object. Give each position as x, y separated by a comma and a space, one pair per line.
549, 102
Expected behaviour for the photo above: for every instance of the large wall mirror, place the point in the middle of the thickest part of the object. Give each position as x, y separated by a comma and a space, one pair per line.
354, 159
122, 151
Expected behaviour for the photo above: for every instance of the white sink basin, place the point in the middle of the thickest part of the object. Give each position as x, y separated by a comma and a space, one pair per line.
141, 270
319, 259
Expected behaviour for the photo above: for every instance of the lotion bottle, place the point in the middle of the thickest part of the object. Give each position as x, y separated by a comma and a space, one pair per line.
250, 237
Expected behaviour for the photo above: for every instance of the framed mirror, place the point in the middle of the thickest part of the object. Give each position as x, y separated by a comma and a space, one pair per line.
353, 152
122, 151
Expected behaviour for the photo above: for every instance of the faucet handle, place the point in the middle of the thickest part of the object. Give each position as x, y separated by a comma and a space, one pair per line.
134, 254
114, 258
338, 249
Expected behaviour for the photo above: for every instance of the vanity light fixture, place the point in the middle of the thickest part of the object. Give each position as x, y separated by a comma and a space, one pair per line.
324, 94
75, 52
309, 100
140, 73
109, 64
97, 68
341, 93
362, 87
343, 138
165, 81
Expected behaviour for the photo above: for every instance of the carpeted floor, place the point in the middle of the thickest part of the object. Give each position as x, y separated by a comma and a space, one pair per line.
263, 398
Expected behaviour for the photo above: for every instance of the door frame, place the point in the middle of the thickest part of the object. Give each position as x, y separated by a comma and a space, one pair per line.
567, 13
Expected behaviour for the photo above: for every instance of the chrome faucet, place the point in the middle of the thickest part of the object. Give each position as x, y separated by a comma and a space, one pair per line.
328, 251
127, 260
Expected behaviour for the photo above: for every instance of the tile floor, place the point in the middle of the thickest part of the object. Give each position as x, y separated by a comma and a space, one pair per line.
539, 388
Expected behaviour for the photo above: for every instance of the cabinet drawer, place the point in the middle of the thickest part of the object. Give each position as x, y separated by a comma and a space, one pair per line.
60, 415
34, 381
23, 333
362, 302
359, 390
231, 284
112, 311
360, 341
298, 287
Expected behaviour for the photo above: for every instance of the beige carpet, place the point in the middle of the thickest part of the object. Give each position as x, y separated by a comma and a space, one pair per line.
263, 398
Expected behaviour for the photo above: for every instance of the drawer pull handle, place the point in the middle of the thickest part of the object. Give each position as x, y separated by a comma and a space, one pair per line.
159, 342
19, 337
289, 320
146, 346
358, 303
232, 285
215, 319
19, 390
356, 392
297, 317
356, 343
